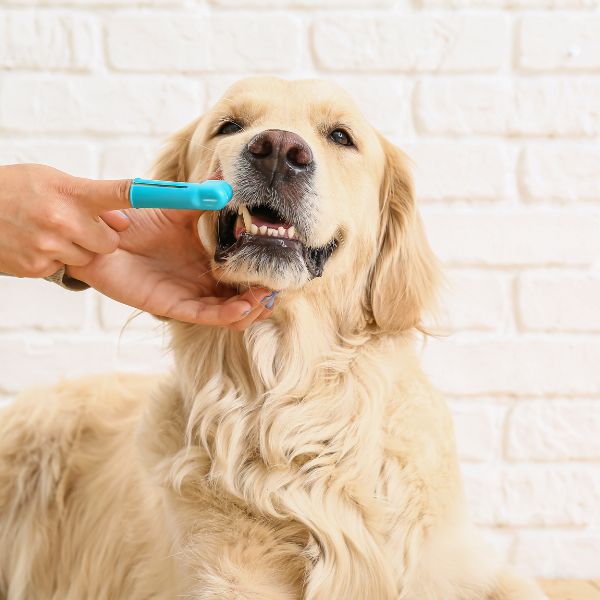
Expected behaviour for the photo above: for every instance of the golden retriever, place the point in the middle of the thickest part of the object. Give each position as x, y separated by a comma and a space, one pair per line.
307, 457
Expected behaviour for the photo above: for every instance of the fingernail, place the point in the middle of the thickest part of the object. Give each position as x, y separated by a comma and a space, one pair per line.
271, 304
269, 299
124, 214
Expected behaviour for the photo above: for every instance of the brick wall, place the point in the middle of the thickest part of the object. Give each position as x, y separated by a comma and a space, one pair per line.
498, 103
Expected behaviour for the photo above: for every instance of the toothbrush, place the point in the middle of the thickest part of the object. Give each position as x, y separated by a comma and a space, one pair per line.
213, 194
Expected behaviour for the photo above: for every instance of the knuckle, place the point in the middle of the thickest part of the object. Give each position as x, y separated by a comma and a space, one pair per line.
122, 189
46, 243
58, 220
38, 267
43, 214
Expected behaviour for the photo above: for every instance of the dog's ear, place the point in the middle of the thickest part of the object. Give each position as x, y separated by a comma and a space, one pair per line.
404, 279
171, 164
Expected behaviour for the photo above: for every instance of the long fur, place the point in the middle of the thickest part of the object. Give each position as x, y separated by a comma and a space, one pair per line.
305, 458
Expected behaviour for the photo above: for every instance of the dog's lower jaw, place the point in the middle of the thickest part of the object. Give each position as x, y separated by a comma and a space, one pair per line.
245, 270
253, 271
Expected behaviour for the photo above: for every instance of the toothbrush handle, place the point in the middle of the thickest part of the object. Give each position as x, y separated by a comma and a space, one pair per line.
208, 195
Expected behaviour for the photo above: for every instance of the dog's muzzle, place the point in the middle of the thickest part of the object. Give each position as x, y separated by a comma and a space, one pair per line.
272, 214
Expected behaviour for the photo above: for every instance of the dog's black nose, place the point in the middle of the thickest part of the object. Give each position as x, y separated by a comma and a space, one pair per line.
276, 152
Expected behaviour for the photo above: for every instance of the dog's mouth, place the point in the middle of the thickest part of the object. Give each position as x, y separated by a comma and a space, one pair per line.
260, 231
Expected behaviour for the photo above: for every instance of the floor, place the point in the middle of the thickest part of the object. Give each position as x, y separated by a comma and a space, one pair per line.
573, 589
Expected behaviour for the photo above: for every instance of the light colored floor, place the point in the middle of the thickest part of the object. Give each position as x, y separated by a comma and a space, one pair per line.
573, 589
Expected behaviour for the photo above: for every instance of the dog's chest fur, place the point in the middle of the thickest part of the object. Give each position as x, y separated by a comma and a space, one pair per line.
294, 461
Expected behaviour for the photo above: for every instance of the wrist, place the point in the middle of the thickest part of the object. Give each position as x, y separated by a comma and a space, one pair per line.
70, 281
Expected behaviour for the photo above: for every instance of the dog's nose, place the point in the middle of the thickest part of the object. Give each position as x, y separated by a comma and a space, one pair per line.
277, 152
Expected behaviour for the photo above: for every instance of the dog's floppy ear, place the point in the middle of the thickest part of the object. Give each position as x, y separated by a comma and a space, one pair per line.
404, 279
171, 164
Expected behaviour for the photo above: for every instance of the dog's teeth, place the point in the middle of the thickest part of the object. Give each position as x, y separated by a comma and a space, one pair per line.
291, 231
272, 232
253, 229
246, 216
281, 231
263, 229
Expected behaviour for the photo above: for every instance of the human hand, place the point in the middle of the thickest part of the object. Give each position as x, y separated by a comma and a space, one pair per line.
49, 218
156, 263
161, 267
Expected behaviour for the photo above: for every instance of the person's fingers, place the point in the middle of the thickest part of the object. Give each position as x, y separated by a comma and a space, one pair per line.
204, 313
237, 312
74, 255
255, 295
247, 319
116, 219
95, 235
265, 314
212, 300
103, 195
260, 312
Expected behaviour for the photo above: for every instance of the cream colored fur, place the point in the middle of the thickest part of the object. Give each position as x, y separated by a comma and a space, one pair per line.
305, 458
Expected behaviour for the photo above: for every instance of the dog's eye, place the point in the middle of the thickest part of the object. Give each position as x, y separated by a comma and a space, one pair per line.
229, 127
341, 137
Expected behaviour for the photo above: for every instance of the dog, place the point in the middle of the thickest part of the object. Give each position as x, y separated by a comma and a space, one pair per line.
307, 457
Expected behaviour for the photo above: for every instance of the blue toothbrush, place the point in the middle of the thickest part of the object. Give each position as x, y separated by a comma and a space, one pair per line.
213, 194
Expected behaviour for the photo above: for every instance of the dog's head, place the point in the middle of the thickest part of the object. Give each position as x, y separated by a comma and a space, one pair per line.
318, 193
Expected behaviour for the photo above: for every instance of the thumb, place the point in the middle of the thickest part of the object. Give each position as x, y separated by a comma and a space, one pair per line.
104, 195
116, 219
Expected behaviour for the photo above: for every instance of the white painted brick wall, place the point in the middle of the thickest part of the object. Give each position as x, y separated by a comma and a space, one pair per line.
34, 39
96, 104
411, 43
550, 43
561, 171
517, 4
533, 427
444, 171
203, 43
559, 302
509, 106
515, 236
498, 104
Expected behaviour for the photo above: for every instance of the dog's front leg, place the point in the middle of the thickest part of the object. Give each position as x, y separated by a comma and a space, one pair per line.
230, 555
224, 578
246, 572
